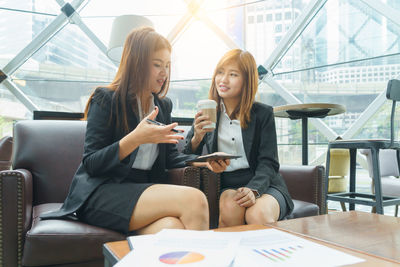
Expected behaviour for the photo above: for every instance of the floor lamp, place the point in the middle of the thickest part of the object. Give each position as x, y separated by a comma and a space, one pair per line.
121, 27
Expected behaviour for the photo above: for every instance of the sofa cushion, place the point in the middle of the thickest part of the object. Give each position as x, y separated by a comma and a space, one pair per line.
63, 241
303, 209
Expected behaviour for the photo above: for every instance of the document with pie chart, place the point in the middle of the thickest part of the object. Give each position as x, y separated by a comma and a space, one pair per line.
181, 248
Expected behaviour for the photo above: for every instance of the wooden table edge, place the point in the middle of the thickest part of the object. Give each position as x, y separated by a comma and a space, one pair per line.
334, 244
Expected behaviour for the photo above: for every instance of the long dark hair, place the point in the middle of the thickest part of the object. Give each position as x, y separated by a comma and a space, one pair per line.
132, 77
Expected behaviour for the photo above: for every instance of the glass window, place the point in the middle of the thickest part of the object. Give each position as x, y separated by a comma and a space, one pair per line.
17, 30
11, 109
61, 75
187, 62
250, 19
355, 96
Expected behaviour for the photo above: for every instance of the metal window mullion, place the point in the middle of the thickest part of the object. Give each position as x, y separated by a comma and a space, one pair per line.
291, 99
178, 29
390, 13
282, 91
20, 95
42, 38
299, 25
366, 115
76, 19
35, 44
184, 21
220, 33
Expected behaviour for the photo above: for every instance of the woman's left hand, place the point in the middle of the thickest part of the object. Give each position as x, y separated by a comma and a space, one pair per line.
218, 166
245, 197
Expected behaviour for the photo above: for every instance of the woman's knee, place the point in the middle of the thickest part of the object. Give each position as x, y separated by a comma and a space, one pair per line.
256, 215
195, 198
230, 211
171, 223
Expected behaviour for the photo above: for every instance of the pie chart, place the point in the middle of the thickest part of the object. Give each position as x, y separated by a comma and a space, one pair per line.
181, 257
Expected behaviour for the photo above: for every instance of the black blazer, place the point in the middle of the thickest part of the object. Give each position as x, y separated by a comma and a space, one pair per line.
100, 158
260, 145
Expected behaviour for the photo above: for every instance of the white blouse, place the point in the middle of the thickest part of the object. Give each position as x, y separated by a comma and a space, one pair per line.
147, 153
230, 140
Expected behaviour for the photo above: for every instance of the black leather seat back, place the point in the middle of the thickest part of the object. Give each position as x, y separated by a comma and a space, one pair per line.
51, 151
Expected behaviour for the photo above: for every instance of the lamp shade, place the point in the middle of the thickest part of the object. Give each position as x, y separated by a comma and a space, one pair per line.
121, 27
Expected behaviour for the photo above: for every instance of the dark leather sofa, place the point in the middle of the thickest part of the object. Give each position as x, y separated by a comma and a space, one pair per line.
5, 152
45, 157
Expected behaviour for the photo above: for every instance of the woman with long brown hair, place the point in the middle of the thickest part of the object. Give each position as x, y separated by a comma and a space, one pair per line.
118, 185
253, 191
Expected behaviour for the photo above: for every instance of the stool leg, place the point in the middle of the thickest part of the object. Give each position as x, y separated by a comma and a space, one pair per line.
396, 211
343, 206
377, 180
353, 160
328, 160
398, 158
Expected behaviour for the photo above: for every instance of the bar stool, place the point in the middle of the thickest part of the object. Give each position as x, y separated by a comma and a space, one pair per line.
352, 197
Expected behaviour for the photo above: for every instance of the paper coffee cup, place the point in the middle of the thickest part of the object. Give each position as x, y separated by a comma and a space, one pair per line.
208, 107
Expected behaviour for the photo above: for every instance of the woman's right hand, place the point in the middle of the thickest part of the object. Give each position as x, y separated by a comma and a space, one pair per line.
146, 133
200, 121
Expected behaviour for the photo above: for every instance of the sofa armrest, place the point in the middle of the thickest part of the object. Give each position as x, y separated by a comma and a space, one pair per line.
210, 184
306, 183
15, 214
189, 176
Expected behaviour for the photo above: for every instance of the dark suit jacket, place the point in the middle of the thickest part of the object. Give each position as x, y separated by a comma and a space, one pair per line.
260, 145
100, 159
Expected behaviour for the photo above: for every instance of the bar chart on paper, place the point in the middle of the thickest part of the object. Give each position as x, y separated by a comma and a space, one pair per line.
181, 257
278, 254
272, 247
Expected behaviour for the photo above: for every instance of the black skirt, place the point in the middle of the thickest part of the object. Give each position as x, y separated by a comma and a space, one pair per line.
111, 204
241, 177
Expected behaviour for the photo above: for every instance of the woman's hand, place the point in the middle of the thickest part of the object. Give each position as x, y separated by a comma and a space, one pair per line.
245, 197
145, 133
199, 122
217, 166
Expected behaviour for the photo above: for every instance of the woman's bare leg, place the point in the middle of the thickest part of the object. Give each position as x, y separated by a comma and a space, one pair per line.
187, 204
163, 223
265, 210
230, 213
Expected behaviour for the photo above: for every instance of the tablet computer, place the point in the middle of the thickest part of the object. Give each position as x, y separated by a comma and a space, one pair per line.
213, 157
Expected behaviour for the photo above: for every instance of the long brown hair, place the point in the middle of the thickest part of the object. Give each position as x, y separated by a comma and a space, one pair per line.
132, 77
248, 68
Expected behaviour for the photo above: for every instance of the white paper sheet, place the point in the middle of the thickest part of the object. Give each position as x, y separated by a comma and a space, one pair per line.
272, 247
182, 247
269, 247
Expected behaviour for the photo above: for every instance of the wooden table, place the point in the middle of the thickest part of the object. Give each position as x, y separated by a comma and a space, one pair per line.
373, 237
305, 111
371, 233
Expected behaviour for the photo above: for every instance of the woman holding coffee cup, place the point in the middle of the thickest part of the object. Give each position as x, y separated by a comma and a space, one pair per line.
253, 191
119, 182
